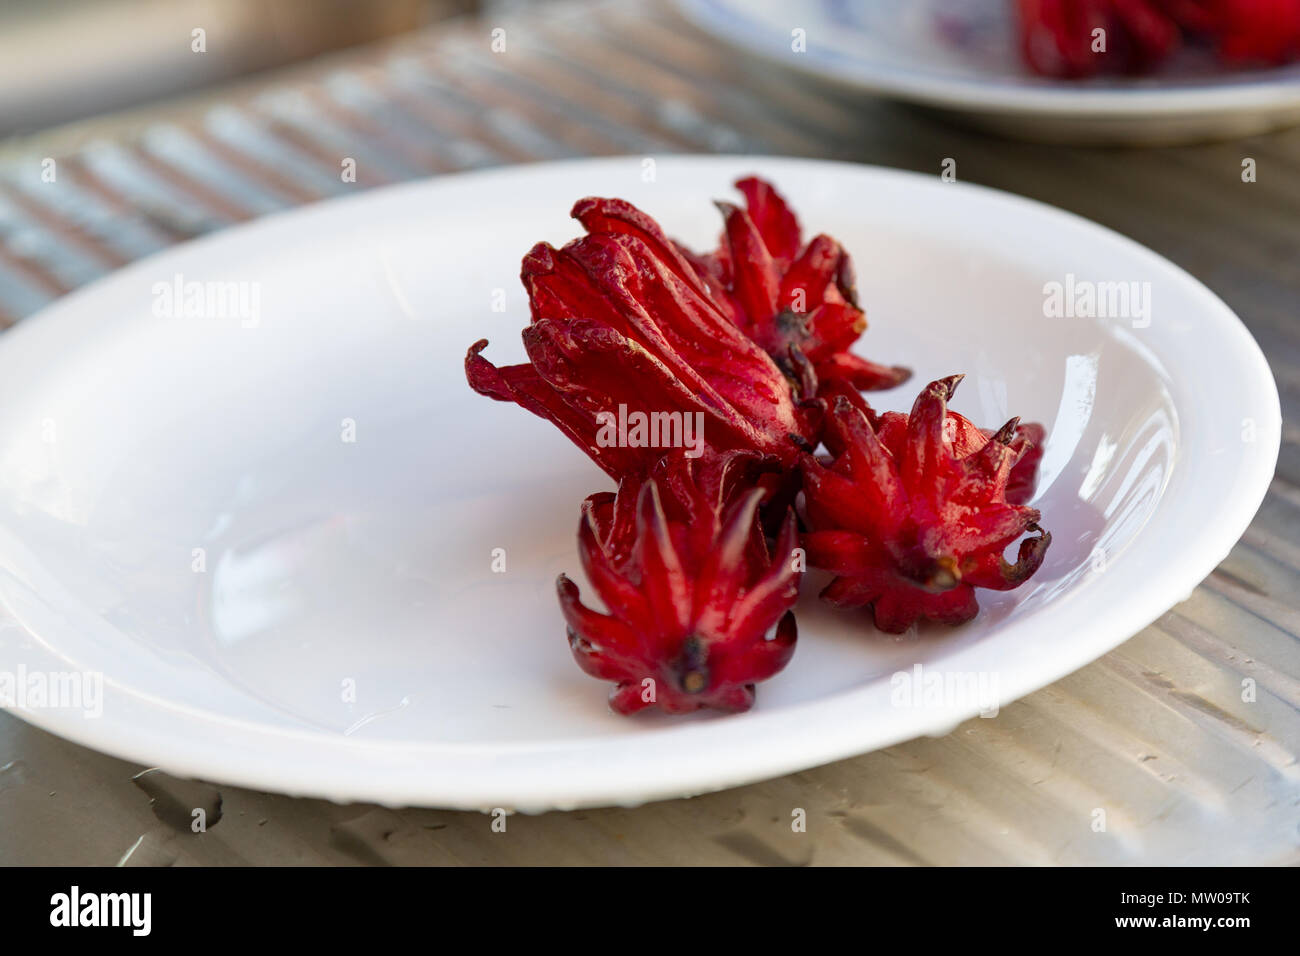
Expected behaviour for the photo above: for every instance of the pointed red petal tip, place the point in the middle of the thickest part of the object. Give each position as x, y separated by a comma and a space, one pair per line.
947, 386
472, 352
539, 260
897, 375
772, 215
1007, 432
585, 206
1028, 447
682, 564
484, 377
910, 525
1029, 557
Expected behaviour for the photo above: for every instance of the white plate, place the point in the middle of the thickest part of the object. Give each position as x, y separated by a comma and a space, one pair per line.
128, 440
962, 55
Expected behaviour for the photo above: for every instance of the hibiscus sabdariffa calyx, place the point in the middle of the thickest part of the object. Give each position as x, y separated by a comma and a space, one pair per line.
620, 319
912, 514
698, 603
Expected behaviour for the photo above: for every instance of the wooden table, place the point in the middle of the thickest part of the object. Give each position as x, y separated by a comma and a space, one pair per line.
1155, 733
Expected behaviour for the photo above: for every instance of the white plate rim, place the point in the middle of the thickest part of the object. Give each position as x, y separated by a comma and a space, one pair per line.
1244, 91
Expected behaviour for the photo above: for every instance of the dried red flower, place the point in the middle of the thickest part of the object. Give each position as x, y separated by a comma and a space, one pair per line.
680, 560
1247, 32
1059, 38
798, 302
753, 341
913, 513
620, 318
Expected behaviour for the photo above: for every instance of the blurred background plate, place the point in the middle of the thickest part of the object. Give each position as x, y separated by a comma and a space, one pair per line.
961, 56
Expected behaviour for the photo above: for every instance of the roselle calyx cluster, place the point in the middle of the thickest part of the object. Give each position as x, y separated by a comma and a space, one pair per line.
698, 555
1081, 38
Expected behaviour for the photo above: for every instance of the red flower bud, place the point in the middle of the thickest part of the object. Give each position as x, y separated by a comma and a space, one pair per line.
680, 560
798, 302
621, 319
913, 513
1061, 37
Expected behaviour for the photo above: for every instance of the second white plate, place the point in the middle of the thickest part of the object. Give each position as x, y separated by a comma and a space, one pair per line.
962, 55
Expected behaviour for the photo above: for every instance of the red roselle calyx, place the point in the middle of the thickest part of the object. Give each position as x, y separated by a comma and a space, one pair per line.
1251, 32
913, 513
798, 302
622, 324
1080, 38
680, 560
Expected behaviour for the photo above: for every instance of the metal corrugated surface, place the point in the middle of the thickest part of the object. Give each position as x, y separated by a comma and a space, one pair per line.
1156, 734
